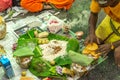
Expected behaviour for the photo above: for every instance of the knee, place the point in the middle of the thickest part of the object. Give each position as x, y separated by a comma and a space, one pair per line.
117, 51
117, 55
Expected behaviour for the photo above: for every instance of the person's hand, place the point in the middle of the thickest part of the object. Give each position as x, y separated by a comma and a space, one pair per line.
104, 49
91, 39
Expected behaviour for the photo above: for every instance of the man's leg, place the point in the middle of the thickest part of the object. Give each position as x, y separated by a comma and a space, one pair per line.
117, 56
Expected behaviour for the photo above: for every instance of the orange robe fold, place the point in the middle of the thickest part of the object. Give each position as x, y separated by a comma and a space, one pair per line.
32, 5
62, 4
37, 5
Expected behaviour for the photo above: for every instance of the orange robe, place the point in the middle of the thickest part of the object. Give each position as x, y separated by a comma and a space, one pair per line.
37, 5
32, 5
62, 4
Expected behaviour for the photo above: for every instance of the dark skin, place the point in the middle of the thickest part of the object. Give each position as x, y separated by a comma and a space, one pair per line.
103, 47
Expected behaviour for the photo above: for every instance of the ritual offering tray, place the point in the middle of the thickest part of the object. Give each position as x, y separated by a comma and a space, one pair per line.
56, 56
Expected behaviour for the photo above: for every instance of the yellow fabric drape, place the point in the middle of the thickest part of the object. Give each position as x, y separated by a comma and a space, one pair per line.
104, 30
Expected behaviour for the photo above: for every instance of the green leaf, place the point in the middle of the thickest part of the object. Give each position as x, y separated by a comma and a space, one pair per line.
22, 42
81, 59
73, 45
57, 37
53, 70
37, 51
39, 68
62, 61
24, 51
100, 60
29, 34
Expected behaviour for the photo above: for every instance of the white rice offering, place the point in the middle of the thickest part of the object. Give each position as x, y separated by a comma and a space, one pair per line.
53, 49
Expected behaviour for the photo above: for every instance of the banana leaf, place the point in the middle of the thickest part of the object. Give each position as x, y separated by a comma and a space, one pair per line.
24, 51
26, 42
73, 45
37, 52
29, 34
52, 36
39, 68
81, 59
63, 61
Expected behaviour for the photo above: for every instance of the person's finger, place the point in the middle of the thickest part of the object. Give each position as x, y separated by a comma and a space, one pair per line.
91, 40
105, 54
98, 41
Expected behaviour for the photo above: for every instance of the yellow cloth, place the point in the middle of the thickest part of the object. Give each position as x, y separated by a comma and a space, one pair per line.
94, 7
104, 29
113, 12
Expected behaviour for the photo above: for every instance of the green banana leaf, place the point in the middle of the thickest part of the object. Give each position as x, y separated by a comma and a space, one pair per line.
39, 68
37, 52
24, 51
42, 68
73, 45
52, 36
36, 66
22, 42
29, 34
81, 59
63, 61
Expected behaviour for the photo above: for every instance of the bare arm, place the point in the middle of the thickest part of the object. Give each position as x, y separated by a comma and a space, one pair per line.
92, 26
92, 23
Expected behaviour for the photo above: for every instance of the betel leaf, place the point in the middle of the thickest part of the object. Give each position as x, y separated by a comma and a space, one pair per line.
63, 60
24, 51
73, 45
